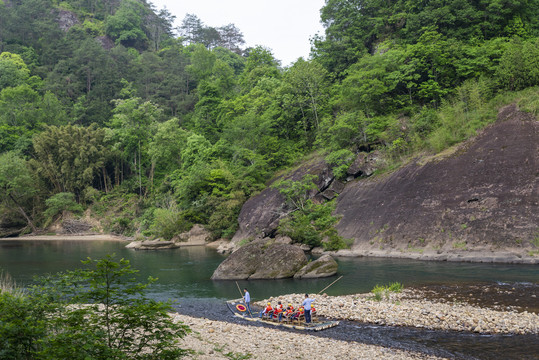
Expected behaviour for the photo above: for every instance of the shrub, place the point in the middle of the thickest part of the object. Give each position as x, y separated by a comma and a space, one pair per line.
21, 325
60, 203
340, 161
103, 313
382, 292
168, 223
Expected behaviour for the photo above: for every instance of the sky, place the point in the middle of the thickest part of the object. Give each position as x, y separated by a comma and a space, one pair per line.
284, 26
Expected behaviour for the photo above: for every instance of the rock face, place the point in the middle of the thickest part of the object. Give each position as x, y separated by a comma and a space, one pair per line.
364, 165
261, 259
260, 215
67, 19
482, 195
322, 267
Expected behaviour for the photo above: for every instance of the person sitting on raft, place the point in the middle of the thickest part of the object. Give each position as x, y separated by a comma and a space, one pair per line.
298, 313
277, 312
268, 310
287, 313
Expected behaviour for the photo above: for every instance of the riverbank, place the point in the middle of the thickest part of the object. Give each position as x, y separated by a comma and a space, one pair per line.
213, 339
401, 327
507, 256
86, 237
413, 308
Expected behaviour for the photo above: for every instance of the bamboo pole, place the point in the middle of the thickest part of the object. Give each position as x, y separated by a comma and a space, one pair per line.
340, 277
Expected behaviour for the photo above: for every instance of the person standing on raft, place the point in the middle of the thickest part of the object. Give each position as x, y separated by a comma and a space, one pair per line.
247, 299
307, 308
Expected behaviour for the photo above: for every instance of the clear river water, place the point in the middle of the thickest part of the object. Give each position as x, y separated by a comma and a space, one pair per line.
185, 272
184, 275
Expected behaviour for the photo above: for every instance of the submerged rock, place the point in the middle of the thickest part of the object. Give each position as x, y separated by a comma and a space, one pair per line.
323, 267
261, 259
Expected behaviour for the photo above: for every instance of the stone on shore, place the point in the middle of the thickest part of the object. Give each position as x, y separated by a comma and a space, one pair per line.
323, 267
152, 245
261, 259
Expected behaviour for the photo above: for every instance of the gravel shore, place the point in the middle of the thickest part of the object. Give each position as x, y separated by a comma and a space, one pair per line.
410, 308
212, 339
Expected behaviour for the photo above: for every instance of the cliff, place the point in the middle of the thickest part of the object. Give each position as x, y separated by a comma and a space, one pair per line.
475, 202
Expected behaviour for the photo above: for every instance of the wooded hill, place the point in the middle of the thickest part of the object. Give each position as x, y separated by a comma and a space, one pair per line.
104, 107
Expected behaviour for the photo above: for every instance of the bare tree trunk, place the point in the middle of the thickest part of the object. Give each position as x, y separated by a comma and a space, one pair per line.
105, 180
23, 213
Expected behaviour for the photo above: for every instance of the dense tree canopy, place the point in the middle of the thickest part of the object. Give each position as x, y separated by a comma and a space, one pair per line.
101, 99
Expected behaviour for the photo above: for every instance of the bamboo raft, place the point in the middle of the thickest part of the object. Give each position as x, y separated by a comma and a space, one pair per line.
315, 325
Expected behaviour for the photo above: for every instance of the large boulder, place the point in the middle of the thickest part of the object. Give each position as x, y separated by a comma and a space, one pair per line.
261, 259
322, 267
196, 236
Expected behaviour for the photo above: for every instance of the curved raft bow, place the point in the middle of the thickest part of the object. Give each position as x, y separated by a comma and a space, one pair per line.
240, 310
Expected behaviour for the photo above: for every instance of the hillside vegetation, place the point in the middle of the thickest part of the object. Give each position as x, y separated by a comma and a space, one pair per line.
106, 110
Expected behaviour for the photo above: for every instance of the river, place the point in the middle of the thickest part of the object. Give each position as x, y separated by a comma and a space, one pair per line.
184, 275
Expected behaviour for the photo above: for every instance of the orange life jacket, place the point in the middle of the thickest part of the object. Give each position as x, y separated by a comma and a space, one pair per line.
268, 309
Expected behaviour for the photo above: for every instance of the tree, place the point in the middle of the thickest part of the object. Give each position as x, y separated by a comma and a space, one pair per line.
160, 26
100, 312
191, 28
231, 38
308, 82
71, 157
165, 148
13, 70
133, 125
16, 184
260, 63
307, 222
296, 193
125, 26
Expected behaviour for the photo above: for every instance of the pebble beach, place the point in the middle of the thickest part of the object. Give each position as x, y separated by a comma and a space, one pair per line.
411, 308
222, 340
217, 339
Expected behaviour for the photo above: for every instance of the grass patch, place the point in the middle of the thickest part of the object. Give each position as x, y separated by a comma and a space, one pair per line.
380, 292
7, 284
535, 240
461, 245
414, 249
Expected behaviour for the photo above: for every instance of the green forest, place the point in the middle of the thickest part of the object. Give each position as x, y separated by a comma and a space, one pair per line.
108, 110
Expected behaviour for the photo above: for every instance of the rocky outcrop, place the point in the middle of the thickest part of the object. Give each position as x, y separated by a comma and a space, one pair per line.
196, 236
363, 165
152, 245
105, 42
260, 215
67, 19
261, 259
481, 195
322, 267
